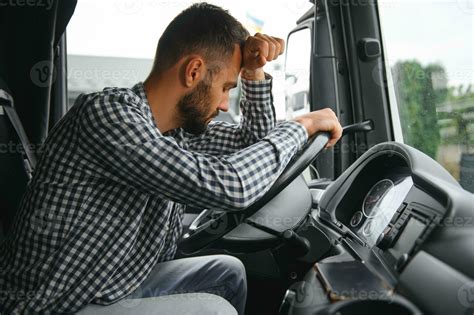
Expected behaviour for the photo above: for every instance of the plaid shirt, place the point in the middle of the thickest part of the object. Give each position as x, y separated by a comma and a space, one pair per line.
107, 198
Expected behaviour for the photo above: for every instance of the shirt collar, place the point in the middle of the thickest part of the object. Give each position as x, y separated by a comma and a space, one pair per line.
139, 89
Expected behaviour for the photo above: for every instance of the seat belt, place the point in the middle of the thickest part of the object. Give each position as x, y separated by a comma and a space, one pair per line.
29, 157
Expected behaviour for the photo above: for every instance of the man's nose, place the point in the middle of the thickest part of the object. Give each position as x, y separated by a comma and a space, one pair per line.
224, 106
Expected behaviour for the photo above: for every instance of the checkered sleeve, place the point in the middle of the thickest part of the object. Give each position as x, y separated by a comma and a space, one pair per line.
138, 155
257, 119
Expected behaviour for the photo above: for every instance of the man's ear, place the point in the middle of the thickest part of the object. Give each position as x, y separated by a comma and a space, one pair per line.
194, 71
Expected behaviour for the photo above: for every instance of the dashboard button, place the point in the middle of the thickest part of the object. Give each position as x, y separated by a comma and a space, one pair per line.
401, 262
386, 238
288, 300
356, 218
368, 229
398, 213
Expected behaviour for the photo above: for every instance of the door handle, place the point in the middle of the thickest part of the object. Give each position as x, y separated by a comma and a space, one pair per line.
365, 126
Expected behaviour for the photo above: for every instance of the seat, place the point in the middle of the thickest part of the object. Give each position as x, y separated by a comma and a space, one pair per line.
2, 237
17, 162
16, 159
188, 303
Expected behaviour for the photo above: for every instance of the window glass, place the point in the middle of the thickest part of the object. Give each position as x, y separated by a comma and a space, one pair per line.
429, 49
297, 69
113, 42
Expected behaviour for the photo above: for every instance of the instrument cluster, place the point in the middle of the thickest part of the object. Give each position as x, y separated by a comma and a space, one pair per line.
378, 208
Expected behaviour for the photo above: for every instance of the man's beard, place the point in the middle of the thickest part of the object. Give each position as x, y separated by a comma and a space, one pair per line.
194, 109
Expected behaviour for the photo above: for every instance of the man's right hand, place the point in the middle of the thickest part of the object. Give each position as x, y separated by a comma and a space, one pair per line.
322, 120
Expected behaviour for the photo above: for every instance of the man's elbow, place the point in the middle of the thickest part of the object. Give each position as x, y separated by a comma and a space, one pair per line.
242, 200
239, 203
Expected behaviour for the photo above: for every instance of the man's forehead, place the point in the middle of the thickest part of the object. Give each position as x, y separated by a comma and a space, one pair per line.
229, 70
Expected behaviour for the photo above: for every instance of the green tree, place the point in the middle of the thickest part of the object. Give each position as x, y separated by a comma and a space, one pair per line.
461, 99
419, 91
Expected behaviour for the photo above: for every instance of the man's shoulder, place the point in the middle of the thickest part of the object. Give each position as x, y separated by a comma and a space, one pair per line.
112, 95
112, 103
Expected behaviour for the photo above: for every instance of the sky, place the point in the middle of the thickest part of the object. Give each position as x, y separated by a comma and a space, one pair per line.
427, 30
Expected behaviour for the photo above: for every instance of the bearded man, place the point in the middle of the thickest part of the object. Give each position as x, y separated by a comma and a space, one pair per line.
116, 172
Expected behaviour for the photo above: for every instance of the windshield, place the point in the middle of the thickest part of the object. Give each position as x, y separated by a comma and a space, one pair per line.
430, 58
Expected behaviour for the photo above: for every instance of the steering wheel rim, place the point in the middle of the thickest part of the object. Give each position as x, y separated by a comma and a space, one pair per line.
201, 235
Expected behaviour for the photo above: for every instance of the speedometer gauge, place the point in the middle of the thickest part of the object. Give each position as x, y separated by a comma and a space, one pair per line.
372, 202
357, 218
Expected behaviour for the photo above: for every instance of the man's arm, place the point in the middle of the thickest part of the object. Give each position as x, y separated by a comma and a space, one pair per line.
128, 149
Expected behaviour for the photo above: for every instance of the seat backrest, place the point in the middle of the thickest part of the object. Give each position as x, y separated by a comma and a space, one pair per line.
2, 237
14, 176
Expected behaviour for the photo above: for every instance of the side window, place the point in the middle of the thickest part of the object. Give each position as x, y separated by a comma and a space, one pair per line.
430, 59
113, 42
297, 72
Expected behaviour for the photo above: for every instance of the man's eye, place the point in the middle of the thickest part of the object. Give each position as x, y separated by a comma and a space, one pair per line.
228, 88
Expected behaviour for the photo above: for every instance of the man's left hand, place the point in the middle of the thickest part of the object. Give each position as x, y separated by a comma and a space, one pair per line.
257, 51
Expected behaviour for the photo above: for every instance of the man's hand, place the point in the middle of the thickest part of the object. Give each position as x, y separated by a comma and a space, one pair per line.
322, 120
257, 51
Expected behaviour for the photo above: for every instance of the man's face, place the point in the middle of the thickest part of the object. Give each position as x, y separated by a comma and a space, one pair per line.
195, 109
211, 95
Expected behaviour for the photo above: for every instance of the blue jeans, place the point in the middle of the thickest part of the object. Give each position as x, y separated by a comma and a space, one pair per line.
222, 275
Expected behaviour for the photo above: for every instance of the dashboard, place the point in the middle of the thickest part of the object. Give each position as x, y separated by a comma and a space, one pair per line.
392, 234
390, 217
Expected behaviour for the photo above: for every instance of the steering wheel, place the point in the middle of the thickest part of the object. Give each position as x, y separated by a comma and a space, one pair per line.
207, 228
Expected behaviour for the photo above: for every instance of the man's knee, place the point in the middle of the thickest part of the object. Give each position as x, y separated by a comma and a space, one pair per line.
233, 269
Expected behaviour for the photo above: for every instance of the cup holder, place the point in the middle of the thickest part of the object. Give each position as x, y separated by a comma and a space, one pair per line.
395, 305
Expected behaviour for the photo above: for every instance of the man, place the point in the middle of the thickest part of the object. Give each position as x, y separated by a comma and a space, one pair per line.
101, 217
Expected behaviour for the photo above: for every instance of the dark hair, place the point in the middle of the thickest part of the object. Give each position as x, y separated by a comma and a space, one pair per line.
202, 28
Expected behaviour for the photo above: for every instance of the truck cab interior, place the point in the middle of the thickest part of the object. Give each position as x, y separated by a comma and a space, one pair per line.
372, 226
